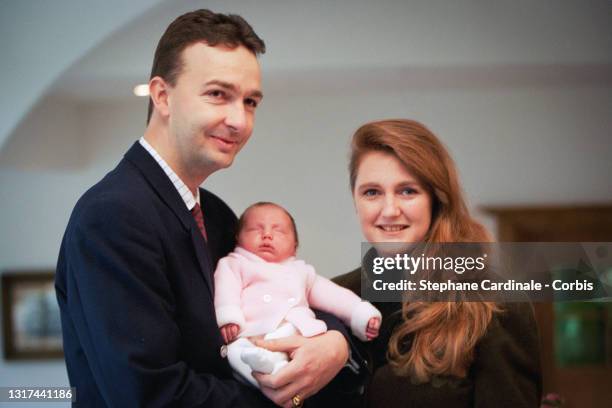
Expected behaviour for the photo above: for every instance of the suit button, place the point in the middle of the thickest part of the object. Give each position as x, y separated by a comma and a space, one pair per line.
223, 351
291, 300
267, 298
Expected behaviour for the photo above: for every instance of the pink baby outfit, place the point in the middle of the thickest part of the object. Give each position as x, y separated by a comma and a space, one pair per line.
258, 295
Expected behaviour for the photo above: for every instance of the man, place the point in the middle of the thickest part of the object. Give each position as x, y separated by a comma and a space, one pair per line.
134, 276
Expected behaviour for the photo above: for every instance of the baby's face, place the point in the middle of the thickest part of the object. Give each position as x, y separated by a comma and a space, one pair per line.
267, 232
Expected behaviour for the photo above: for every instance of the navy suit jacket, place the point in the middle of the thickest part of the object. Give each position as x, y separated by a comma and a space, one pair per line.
135, 289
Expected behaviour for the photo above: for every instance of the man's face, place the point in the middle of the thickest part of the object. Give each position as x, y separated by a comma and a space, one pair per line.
211, 108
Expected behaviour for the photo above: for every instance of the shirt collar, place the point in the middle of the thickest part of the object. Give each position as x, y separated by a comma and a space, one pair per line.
184, 191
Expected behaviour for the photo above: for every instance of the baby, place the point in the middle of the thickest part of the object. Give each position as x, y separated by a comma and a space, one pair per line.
262, 289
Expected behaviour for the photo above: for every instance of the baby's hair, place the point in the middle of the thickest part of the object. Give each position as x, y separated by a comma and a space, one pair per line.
242, 218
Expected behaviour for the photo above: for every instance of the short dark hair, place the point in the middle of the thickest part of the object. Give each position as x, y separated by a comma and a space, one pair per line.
201, 25
242, 218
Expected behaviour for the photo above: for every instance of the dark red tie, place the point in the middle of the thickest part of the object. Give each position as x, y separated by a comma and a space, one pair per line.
199, 219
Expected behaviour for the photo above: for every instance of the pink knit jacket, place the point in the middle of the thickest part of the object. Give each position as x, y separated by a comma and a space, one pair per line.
258, 295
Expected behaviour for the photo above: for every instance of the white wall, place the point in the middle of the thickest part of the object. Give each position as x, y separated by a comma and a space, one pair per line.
519, 145
35, 34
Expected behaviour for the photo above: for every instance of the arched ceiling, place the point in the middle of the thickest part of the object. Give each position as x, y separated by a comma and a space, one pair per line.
101, 48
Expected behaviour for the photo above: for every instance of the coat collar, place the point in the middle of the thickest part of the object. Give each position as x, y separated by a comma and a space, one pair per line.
159, 181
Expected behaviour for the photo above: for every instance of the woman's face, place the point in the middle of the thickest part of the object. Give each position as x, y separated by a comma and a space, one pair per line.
391, 204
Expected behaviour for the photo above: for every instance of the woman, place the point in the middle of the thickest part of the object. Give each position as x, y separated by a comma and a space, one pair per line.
440, 354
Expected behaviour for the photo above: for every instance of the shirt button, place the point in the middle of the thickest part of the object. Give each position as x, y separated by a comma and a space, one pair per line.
267, 298
223, 351
291, 300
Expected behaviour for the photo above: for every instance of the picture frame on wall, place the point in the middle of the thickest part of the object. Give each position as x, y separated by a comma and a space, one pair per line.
30, 316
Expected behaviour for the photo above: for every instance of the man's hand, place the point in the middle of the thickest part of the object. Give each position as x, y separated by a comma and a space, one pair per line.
315, 361
229, 332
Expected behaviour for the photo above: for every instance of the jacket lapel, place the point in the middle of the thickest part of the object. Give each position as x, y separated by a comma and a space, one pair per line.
160, 182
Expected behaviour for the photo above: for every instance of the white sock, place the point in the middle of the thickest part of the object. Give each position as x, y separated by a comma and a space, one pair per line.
242, 370
262, 360
284, 330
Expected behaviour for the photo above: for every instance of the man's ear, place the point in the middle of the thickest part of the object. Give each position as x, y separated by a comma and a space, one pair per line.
158, 91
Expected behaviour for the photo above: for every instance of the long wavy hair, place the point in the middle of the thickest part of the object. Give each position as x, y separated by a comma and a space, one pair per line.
442, 335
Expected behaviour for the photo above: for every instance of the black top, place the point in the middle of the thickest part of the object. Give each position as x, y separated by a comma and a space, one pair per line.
505, 371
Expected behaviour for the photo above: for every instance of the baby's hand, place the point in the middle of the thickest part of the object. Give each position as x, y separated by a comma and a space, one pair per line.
372, 329
229, 332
